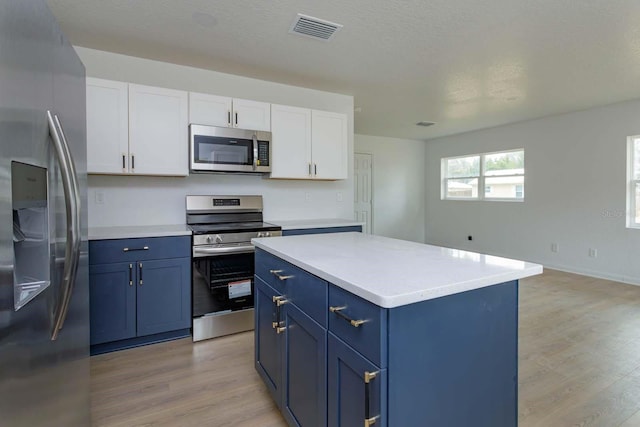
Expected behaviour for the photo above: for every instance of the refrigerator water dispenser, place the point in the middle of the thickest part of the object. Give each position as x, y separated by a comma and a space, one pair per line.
31, 272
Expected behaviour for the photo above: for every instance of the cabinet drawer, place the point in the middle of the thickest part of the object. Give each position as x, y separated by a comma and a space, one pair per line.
266, 263
125, 250
308, 292
370, 337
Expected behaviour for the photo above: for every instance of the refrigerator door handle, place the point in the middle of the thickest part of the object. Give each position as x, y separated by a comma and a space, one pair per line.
72, 204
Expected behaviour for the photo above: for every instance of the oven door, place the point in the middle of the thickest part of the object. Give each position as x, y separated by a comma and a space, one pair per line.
222, 283
215, 149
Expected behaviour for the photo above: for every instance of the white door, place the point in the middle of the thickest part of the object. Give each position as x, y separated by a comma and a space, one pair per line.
211, 110
251, 115
291, 142
329, 145
363, 174
107, 127
158, 131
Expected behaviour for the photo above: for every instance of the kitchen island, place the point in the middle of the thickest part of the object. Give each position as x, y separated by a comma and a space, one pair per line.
354, 329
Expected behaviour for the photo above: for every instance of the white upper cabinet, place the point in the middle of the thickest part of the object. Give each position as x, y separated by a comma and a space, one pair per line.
213, 110
252, 115
158, 131
308, 144
107, 127
291, 142
329, 143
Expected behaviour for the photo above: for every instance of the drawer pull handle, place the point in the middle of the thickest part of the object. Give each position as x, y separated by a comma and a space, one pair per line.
144, 248
368, 420
278, 275
352, 322
280, 330
140, 273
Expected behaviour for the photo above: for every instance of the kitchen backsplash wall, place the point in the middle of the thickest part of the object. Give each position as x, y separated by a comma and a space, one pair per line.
138, 200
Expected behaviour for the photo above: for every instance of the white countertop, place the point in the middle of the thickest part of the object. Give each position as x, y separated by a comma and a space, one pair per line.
297, 224
391, 272
136, 231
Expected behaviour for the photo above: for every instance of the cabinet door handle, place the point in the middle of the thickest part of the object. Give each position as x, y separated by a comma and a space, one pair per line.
140, 273
278, 275
236, 119
124, 164
133, 162
368, 419
278, 300
309, 169
130, 274
339, 313
144, 248
229, 118
315, 169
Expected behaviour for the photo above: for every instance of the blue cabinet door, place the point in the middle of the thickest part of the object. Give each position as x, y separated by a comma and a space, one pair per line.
112, 301
268, 342
164, 295
305, 395
353, 398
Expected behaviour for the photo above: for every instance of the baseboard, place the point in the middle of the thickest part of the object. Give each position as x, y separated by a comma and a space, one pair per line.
138, 341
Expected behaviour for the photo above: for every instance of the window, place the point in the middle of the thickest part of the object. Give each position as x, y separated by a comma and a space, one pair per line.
500, 174
633, 182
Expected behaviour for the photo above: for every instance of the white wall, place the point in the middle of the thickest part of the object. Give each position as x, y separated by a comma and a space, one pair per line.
152, 200
398, 185
574, 194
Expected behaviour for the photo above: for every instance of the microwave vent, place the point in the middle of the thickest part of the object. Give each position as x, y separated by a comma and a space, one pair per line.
316, 28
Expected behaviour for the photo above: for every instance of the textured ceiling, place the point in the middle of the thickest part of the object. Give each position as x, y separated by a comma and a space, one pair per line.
464, 64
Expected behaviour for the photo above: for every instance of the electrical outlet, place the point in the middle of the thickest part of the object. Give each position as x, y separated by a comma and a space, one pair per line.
339, 196
593, 253
555, 247
99, 198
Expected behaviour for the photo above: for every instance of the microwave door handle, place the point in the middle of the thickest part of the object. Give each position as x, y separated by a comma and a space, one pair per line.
255, 152
72, 206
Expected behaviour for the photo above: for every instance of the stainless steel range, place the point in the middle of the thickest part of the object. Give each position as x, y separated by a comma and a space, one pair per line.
223, 266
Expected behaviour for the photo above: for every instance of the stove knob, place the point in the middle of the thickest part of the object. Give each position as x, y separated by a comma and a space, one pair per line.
267, 234
260, 234
218, 238
209, 239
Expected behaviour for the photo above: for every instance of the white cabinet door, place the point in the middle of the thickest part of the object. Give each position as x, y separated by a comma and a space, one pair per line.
329, 144
212, 110
158, 131
251, 115
291, 142
107, 127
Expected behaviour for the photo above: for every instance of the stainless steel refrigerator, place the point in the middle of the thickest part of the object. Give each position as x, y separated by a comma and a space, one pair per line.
44, 295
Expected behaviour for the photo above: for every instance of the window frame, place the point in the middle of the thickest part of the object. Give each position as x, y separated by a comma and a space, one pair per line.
632, 183
481, 178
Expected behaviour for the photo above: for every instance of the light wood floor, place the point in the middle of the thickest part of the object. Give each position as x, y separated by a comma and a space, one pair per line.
579, 366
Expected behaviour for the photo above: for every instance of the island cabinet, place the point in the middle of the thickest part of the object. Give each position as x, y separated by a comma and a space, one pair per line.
291, 339
140, 291
333, 358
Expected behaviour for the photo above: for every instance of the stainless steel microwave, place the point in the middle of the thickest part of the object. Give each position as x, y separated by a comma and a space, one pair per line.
218, 149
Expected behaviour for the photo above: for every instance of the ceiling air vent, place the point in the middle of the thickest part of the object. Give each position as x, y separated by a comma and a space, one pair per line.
309, 26
425, 123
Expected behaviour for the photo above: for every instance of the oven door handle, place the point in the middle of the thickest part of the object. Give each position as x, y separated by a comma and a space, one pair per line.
255, 151
199, 252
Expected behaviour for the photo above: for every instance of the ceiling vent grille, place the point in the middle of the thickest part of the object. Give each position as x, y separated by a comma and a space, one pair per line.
318, 29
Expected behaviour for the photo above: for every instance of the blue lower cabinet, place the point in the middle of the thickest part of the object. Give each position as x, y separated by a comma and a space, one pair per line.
305, 394
163, 302
301, 231
139, 301
356, 388
113, 302
268, 342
